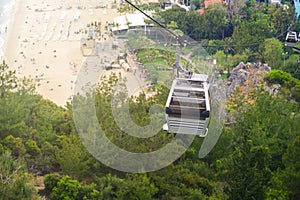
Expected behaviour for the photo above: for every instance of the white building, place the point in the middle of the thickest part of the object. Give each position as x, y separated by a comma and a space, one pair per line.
120, 24
128, 21
135, 20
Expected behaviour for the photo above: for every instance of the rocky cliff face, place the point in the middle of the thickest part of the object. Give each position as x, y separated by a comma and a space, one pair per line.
246, 76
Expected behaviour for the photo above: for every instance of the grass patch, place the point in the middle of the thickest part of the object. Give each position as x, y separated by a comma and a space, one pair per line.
155, 59
158, 63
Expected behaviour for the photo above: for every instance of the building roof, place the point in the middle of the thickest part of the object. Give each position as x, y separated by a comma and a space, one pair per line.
135, 19
129, 20
120, 23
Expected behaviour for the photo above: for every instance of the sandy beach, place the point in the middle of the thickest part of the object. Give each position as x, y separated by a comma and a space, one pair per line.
43, 42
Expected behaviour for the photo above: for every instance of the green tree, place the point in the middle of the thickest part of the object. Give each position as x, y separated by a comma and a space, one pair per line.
174, 15
221, 58
48, 162
195, 4
138, 187
50, 181
14, 183
14, 114
272, 50
15, 145
291, 173
282, 18
32, 148
8, 79
73, 157
110, 186
237, 58
248, 173
252, 32
295, 92
89, 192
277, 189
261, 135
283, 78
291, 66
186, 178
215, 21
236, 8
225, 23
66, 189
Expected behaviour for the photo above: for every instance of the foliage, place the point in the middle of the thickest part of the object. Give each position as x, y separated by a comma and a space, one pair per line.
237, 58
50, 181
72, 157
255, 158
252, 32
8, 80
191, 23
221, 58
292, 66
224, 60
138, 187
261, 138
66, 188
247, 163
281, 18
215, 22
291, 173
277, 190
14, 182
15, 145
110, 186
295, 93
272, 51
214, 46
282, 78
251, 152
32, 148
195, 5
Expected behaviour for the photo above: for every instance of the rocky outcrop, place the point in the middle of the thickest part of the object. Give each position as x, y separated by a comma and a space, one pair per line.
273, 89
246, 76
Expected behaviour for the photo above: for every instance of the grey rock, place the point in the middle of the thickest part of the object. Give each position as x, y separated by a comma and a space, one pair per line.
273, 89
241, 73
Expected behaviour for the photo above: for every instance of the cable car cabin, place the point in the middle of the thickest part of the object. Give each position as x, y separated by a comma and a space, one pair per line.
188, 106
291, 39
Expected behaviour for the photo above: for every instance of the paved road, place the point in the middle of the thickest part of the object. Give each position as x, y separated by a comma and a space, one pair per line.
135, 82
135, 78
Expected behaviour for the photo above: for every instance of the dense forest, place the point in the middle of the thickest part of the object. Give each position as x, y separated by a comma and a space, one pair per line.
256, 157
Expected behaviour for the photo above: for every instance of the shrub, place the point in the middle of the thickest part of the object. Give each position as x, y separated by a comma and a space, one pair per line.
282, 78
